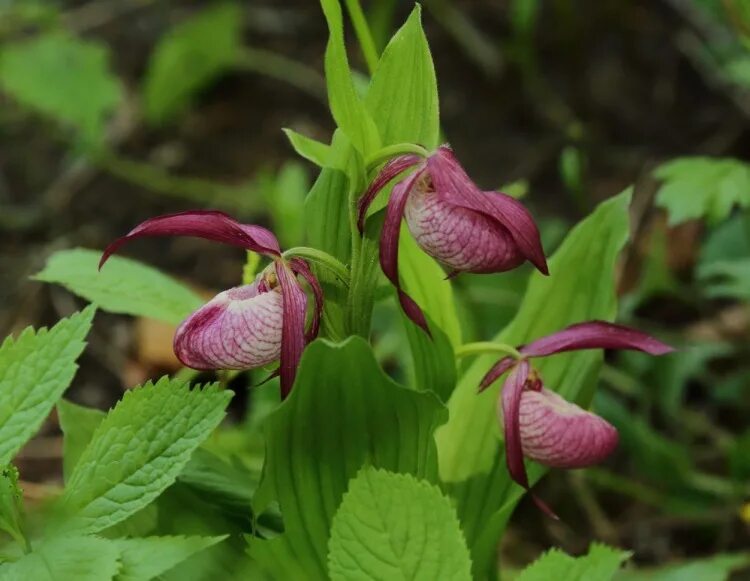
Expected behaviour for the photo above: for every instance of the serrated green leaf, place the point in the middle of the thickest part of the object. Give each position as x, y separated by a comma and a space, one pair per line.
580, 287
312, 150
68, 558
189, 58
377, 422
349, 112
122, 286
85, 93
78, 424
35, 370
146, 558
138, 450
403, 95
11, 504
602, 563
702, 187
715, 568
393, 526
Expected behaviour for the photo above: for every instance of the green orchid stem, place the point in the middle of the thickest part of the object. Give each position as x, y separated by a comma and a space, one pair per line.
364, 36
392, 151
321, 258
483, 347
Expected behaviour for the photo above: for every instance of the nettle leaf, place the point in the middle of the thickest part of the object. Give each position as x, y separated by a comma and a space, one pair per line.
403, 95
66, 558
312, 150
146, 558
78, 424
393, 526
601, 563
703, 187
377, 422
35, 370
348, 111
138, 450
580, 287
122, 286
85, 92
189, 58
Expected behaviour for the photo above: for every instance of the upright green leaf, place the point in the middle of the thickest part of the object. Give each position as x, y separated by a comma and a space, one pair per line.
314, 151
147, 558
403, 95
139, 450
189, 58
65, 558
602, 563
11, 504
78, 424
580, 287
343, 413
393, 526
703, 187
122, 285
85, 92
348, 110
35, 370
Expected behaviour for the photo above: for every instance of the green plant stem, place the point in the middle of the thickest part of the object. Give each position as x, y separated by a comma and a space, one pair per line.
364, 36
390, 151
322, 258
276, 66
483, 347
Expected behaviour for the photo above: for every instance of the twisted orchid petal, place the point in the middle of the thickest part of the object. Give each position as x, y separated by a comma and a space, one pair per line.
389, 246
586, 335
301, 267
293, 325
208, 224
508, 414
389, 171
238, 329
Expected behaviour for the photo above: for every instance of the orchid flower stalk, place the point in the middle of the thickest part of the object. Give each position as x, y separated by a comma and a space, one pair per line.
249, 326
452, 220
539, 424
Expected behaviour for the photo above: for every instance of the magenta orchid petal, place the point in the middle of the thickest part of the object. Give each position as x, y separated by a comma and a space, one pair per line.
495, 372
508, 414
595, 335
209, 224
389, 246
389, 171
559, 434
240, 328
301, 267
293, 326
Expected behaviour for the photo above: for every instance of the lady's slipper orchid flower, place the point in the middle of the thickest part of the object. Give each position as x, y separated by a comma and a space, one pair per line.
248, 326
539, 424
452, 220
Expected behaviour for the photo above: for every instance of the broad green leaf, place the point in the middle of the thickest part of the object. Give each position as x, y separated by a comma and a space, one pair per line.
403, 96
66, 558
11, 504
189, 58
348, 110
393, 526
715, 568
138, 450
85, 92
35, 370
602, 563
580, 287
342, 414
146, 558
312, 150
78, 424
122, 285
703, 187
